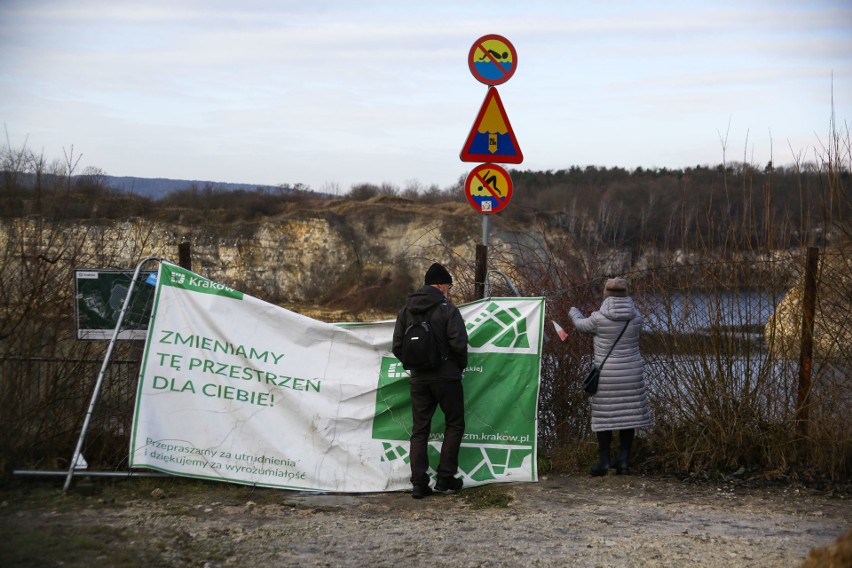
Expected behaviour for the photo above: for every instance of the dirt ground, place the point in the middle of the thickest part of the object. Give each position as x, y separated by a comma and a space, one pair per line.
560, 521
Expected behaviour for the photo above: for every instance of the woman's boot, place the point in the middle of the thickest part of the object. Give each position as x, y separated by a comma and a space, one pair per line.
604, 443
625, 443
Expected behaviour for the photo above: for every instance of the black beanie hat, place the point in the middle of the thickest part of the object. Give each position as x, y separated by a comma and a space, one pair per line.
437, 274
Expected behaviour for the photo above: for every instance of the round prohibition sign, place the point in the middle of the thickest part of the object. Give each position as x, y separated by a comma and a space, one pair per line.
492, 59
488, 188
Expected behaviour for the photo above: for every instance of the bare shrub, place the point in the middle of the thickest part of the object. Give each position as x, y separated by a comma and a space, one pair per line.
46, 375
723, 400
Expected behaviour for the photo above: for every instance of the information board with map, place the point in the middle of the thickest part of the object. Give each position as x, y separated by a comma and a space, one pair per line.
98, 298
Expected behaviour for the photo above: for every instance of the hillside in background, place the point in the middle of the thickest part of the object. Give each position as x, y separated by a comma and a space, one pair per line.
781, 207
151, 188
157, 188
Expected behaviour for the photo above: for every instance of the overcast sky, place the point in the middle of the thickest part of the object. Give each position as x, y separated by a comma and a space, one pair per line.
335, 93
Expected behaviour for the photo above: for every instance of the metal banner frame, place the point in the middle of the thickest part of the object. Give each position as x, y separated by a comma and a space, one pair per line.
96, 391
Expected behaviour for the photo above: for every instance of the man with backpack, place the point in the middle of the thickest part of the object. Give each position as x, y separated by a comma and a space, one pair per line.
435, 355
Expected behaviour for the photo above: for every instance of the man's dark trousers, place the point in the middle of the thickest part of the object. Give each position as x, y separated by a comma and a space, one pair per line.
425, 398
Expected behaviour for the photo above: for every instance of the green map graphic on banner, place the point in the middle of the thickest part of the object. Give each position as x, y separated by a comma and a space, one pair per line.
495, 443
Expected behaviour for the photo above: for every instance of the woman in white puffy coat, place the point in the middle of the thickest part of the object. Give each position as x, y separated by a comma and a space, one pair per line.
621, 402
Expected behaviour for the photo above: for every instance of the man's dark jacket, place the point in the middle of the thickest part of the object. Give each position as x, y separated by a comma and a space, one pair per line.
448, 327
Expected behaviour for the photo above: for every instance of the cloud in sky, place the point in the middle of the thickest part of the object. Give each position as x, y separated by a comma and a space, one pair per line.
333, 93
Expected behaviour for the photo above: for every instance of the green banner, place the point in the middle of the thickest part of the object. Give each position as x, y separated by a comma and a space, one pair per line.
236, 389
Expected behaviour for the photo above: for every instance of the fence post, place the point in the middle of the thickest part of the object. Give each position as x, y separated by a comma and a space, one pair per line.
185, 255
807, 342
481, 272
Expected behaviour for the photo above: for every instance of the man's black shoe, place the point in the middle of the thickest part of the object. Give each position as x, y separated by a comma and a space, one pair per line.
420, 491
445, 484
600, 469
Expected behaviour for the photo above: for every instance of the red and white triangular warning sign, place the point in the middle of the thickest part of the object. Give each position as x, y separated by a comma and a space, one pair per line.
492, 139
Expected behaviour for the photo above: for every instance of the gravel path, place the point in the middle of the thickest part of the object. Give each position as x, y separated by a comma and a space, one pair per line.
560, 521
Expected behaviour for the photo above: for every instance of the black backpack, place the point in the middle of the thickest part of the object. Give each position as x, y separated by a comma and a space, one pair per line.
420, 348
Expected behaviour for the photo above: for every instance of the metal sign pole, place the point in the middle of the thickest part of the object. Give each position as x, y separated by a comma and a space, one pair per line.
78, 450
486, 225
488, 187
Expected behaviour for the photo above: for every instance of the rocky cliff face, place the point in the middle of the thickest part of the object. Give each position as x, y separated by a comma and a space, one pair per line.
331, 256
832, 333
344, 256
364, 255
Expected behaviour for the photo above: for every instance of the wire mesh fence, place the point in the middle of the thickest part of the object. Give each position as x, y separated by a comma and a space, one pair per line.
721, 343
44, 400
723, 368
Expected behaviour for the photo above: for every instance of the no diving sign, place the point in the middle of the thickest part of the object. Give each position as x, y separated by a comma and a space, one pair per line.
488, 188
492, 59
